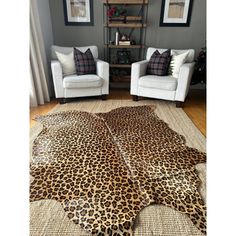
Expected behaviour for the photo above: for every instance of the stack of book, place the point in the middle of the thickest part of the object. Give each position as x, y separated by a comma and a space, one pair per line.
124, 43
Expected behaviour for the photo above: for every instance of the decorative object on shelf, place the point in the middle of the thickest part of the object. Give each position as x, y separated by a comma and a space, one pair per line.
124, 43
124, 37
78, 12
123, 57
117, 38
125, 19
116, 12
176, 12
124, 40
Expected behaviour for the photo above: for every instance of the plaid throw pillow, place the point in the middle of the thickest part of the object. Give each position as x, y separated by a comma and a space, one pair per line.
159, 63
84, 62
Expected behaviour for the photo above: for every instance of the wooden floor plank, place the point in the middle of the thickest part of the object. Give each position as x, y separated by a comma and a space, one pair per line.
195, 108
41, 110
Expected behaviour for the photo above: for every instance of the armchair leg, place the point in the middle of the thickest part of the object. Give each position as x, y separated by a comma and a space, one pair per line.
179, 104
62, 100
104, 97
135, 98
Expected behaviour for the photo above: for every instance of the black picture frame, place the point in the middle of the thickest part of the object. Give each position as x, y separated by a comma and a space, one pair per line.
173, 22
78, 22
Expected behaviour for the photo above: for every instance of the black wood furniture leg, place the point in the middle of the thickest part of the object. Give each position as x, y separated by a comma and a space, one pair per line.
104, 97
135, 98
179, 104
62, 100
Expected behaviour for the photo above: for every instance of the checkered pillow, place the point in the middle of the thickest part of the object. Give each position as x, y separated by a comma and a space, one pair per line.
84, 62
159, 63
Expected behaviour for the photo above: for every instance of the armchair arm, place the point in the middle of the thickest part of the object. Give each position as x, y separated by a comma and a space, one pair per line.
103, 72
57, 78
185, 75
138, 69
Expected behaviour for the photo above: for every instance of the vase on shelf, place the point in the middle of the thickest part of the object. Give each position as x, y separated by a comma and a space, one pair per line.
117, 38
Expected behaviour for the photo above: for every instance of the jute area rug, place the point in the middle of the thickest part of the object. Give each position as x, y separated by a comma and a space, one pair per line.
47, 217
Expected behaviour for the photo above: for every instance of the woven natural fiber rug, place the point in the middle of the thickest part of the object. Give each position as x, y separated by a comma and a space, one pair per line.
188, 227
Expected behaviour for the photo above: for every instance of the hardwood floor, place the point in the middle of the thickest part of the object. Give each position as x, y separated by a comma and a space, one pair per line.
194, 106
41, 110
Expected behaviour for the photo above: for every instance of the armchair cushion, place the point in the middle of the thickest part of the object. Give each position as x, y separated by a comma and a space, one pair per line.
84, 62
159, 82
190, 57
67, 63
159, 63
82, 81
67, 50
177, 60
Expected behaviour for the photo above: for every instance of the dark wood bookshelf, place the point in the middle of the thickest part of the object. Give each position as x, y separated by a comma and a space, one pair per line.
135, 20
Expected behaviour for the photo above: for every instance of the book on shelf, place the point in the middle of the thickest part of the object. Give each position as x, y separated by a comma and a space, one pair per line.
124, 43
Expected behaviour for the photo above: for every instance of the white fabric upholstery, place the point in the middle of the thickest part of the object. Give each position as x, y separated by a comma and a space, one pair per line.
103, 72
185, 75
83, 85
57, 78
158, 82
162, 87
82, 81
157, 93
138, 69
82, 92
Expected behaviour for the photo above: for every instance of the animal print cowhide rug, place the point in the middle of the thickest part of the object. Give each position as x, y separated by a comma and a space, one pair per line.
104, 168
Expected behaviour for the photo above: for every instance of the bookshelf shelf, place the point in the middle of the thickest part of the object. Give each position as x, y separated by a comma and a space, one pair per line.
126, 25
130, 2
124, 46
120, 65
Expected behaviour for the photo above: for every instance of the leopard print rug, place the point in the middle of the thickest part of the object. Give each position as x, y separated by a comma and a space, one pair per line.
105, 168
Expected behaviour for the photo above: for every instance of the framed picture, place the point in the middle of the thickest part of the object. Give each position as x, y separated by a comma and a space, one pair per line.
78, 12
176, 12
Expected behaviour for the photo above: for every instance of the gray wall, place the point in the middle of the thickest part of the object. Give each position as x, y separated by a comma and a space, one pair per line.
77, 35
193, 36
47, 33
166, 37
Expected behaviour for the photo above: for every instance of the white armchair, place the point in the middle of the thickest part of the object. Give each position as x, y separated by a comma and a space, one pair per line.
79, 85
162, 87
